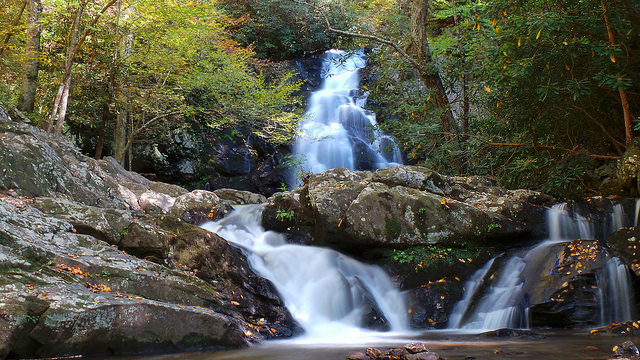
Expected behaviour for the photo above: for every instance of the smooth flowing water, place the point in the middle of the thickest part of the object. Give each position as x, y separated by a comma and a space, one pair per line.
337, 132
498, 294
331, 295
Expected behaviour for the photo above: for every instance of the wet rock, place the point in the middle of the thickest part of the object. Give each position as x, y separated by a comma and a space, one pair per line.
414, 351
199, 206
625, 244
373, 353
357, 356
506, 332
626, 348
415, 348
392, 354
627, 328
239, 197
569, 296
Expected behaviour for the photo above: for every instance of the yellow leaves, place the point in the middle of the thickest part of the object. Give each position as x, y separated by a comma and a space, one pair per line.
443, 202
519, 42
487, 88
613, 59
615, 348
365, 87
567, 67
499, 104
98, 288
538, 34
594, 331
73, 269
493, 22
565, 284
235, 303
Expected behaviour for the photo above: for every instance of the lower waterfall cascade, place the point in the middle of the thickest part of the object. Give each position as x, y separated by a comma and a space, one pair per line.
498, 296
328, 293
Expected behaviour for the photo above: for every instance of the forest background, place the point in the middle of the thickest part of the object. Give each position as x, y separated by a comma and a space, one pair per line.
536, 94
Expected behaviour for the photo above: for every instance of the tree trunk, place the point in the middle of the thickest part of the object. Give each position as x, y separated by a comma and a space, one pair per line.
120, 147
31, 63
59, 111
624, 101
428, 74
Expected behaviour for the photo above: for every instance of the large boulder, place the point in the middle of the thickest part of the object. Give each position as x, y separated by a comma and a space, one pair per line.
199, 206
569, 293
404, 206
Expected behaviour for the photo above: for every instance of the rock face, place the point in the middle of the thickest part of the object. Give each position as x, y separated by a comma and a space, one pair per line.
629, 168
404, 206
624, 244
92, 263
569, 295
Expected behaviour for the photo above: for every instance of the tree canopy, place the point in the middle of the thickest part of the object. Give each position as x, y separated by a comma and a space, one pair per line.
535, 93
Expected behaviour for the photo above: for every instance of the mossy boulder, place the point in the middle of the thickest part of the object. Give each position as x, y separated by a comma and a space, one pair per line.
403, 206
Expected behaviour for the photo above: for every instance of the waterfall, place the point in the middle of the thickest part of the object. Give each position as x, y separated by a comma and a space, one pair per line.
336, 131
498, 294
616, 298
328, 293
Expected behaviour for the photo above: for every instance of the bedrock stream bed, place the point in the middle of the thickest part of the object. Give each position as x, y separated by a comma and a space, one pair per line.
548, 344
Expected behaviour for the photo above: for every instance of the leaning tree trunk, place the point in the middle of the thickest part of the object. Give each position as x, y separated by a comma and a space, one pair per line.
31, 64
624, 101
430, 77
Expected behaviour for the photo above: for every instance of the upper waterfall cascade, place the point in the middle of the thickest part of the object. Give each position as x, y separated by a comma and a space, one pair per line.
498, 295
336, 131
328, 293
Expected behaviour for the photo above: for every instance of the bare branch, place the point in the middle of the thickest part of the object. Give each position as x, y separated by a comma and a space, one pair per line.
362, 36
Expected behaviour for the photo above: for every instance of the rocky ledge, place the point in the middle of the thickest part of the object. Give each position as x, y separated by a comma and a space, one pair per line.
98, 260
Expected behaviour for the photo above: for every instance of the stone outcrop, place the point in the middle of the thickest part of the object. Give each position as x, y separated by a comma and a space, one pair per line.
404, 206
93, 262
629, 168
625, 244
